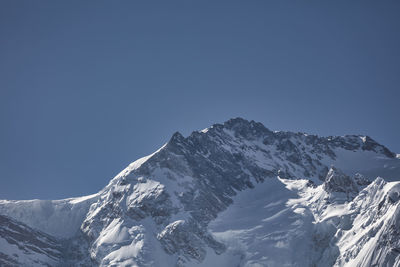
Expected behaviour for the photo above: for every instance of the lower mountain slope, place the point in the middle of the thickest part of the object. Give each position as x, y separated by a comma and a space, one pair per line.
23, 246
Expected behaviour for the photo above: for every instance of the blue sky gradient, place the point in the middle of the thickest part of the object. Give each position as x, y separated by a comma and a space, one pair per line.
86, 87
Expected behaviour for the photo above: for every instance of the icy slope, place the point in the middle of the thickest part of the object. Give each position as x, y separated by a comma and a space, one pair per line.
233, 194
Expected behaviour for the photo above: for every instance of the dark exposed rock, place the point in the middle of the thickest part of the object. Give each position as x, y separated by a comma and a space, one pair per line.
337, 181
361, 179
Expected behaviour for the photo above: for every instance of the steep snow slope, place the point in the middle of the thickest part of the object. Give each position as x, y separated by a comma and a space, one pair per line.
60, 218
233, 194
373, 237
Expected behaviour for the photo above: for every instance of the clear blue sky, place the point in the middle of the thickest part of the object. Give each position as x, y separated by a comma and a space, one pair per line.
86, 87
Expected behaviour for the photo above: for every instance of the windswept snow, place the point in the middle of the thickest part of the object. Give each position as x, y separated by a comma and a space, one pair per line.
264, 229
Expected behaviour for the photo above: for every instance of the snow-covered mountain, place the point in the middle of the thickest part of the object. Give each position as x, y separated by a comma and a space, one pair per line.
234, 194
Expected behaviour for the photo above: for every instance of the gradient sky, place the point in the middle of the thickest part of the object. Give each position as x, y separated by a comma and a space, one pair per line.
86, 87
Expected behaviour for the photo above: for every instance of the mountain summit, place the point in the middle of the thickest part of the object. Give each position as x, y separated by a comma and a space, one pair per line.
234, 194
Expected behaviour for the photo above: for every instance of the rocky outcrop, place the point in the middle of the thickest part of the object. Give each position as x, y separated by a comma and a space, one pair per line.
337, 181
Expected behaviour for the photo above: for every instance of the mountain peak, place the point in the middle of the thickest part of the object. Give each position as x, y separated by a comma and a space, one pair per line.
176, 137
162, 210
240, 124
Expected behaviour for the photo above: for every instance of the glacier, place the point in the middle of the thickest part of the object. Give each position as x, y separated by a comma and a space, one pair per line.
234, 194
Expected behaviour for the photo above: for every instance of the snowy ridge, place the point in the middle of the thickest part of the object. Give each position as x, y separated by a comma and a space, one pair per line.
60, 218
235, 194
